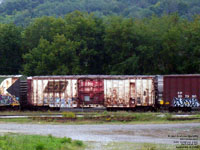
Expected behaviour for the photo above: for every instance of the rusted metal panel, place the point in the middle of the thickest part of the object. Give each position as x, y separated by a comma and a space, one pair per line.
116, 93
91, 92
181, 90
10, 90
52, 92
132, 92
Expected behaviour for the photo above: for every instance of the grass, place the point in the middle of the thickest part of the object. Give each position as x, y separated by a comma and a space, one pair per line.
31, 113
37, 142
120, 117
68, 115
137, 146
197, 115
16, 120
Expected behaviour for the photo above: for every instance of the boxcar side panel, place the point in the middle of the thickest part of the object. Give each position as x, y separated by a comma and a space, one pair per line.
9, 90
61, 92
129, 92
181, 91
116, 93
91, 92
145, 93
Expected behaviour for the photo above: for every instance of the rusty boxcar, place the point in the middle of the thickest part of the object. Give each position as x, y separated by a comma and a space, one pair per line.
52, 91
129, 91
179, 91
91, 91
65, 91
10, 90
102, 91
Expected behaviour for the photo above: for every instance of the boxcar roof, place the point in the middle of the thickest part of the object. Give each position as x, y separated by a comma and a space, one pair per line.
10, 76
182, 75
94, 76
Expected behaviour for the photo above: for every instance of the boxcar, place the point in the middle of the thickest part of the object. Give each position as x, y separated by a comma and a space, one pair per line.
129, 91
91, 91
10, 90
179, 91
52, 91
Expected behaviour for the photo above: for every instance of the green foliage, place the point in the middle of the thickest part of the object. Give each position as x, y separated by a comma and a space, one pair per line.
72, 45
10, 49
66, 140
68, 115
45, 28
36, 142
40, 146
57, 57
22, 12
78, 143
88, 31
168, 116
81, 43
120, 46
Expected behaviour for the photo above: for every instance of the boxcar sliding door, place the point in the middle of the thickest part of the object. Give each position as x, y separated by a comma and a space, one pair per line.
90, 92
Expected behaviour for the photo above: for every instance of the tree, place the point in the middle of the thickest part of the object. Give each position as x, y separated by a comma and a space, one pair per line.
44, 27
88, 31
22, 12
120, 42
191, 44
10, 49
53, 58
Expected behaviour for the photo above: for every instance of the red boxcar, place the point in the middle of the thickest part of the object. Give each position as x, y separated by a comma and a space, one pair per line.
91, 92
179, 90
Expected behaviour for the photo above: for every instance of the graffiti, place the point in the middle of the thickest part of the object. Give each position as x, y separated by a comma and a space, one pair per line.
56, 86
9, 91
60, 102
8, 100
185, 102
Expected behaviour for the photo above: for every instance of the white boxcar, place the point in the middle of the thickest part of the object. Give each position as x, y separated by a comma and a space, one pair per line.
129, 91
107, 91
52, 91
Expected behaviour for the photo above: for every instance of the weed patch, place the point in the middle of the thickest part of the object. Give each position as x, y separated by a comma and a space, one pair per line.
36, 142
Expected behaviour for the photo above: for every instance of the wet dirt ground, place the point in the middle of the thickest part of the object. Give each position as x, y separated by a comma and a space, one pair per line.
140, 133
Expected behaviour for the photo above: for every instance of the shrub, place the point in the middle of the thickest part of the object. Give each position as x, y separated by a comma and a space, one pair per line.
78, 143
37, 142
66, 140
50, 136
68, 115
40, 146
168, 116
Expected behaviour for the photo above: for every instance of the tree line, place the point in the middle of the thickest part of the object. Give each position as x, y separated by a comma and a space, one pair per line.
21, 12
81, 43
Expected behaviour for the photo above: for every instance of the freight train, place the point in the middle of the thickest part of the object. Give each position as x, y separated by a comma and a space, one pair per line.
169, 92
